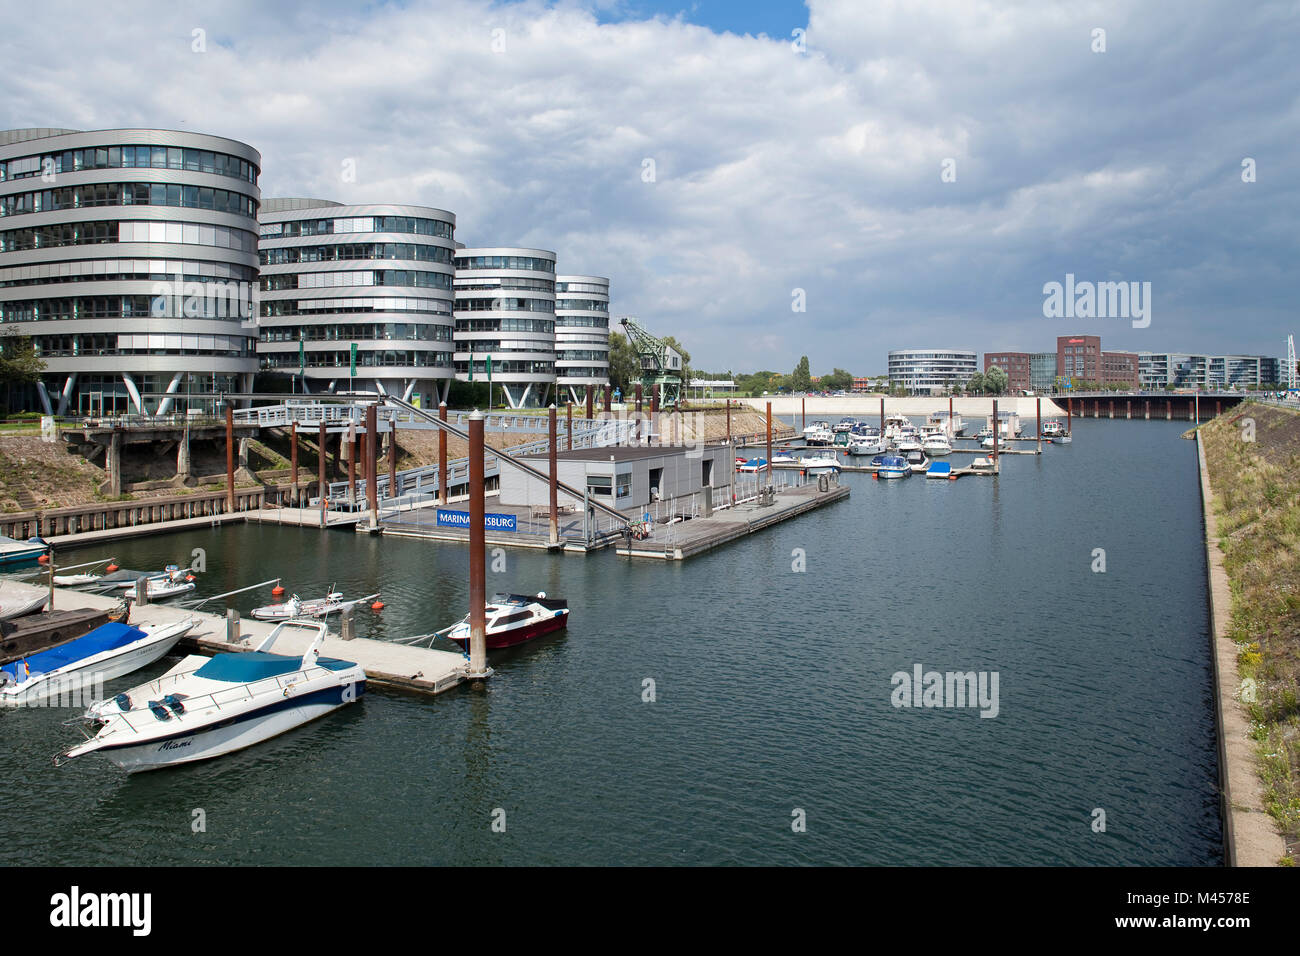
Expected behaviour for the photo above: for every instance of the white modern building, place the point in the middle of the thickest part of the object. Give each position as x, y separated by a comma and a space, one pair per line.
1159, 370
931, 371
129, 257
358, 298
505, 321
581, 335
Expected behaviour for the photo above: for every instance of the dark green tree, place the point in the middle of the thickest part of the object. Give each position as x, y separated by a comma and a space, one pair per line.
801, 380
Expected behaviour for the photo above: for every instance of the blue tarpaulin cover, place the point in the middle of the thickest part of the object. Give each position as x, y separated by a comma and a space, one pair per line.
103, 638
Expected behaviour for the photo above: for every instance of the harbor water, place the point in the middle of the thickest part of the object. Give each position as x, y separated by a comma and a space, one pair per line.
737, 708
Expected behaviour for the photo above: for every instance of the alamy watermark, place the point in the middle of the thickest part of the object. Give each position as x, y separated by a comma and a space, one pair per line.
922, 688
1098, 300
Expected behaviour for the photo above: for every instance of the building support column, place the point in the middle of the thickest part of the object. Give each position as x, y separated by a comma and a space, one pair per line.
165, 405
134, 392
66, 394
442, 456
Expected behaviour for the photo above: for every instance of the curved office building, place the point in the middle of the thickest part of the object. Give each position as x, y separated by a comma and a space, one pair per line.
931, 371
581, 335
374, 280
505, 313
129, 257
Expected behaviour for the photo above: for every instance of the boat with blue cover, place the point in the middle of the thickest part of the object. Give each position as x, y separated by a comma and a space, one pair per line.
939, 469
109, 651
206, 707
891, 466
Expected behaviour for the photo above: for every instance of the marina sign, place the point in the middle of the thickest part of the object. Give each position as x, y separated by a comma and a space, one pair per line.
492, 522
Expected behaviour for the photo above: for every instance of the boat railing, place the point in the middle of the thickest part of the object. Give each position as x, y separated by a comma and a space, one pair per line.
234, 694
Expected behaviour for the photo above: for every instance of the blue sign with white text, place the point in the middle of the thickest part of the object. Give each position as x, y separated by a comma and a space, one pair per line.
492, 522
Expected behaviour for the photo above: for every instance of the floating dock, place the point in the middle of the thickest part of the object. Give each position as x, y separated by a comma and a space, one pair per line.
388, 664
684, 539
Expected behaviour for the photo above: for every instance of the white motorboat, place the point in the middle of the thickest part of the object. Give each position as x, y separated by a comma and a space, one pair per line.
332, 603
917, 461
511, 619
13, 551
1062, 439
936, 445
821, 465
868, 446
818, 433
891, 466
160, 589
108, 651
908, 443
207, 707
988, 442
1053, 429
843, 425
894, 424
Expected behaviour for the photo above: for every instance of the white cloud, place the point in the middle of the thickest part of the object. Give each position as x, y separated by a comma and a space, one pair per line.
774, 170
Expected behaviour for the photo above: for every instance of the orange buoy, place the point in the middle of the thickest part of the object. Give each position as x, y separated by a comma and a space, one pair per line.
43, 559
277, 591
189, 577
111, 568
377, 606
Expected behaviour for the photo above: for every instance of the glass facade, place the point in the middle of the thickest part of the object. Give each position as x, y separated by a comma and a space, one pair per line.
158, 230
295, 260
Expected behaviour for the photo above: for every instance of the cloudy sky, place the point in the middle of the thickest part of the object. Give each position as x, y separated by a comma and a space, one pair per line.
711, 160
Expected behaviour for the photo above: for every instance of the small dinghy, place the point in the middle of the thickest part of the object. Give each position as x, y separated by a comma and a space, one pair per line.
296, 607
206, 707
76, 580
108, 651
513, 619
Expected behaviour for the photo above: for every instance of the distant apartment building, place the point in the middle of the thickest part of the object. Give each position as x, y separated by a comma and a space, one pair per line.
1160, 370
861, 384
931, 371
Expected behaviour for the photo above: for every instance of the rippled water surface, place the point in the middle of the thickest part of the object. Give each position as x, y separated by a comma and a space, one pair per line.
773, 694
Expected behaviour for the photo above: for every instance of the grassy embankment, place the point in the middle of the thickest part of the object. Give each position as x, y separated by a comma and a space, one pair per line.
1253, 456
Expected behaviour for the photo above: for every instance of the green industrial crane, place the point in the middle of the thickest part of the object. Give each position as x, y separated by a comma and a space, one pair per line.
661, 364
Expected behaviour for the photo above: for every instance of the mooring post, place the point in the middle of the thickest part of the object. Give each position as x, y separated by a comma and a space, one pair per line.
392, 459
654, 412
952, 428
769, 444
882, 416
997, 436
50, 600
372, 464
1038, 403
442, 456
320, 468
1196, 399
555, 491
293, 459
346, 626
728, 421
1069, 415
477, 551
591, 395
232, 625
230, 457
352, 465
568, 425
803, 414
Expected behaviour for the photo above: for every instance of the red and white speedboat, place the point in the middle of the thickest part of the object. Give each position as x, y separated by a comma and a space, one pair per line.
515, 618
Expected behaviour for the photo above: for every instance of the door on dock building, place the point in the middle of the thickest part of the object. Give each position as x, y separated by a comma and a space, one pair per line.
706, 473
